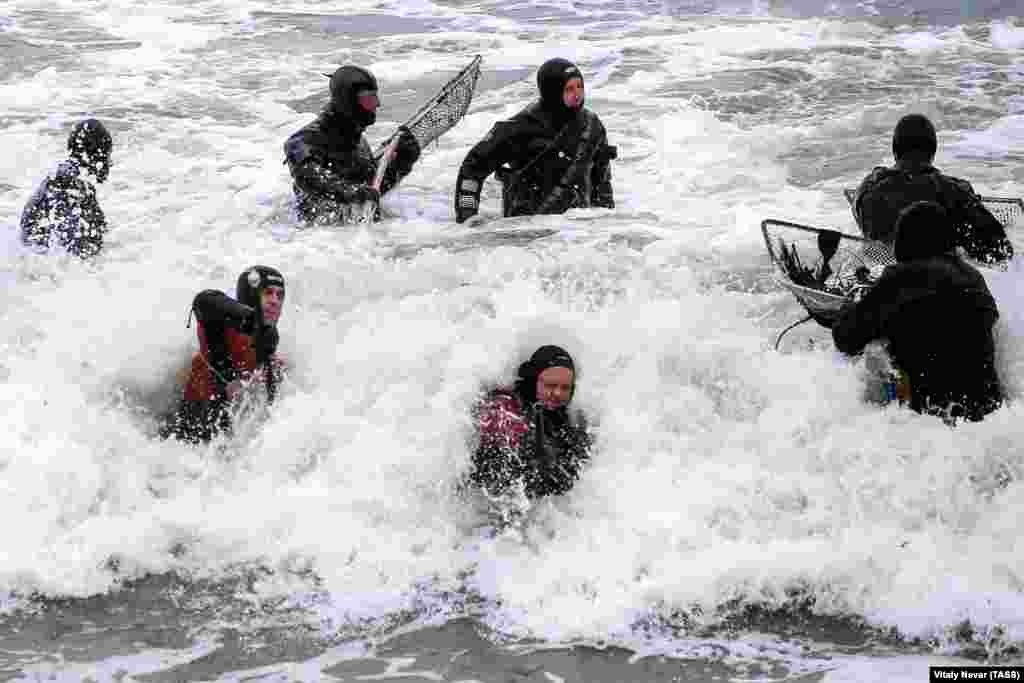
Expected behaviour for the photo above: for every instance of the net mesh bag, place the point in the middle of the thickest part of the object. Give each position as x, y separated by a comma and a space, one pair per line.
1007, 210
446, 108
823, 286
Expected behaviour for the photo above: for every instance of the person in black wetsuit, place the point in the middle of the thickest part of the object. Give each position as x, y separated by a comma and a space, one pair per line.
64, 210
937, 314
237, 344
331, 164
887, 191
527, 435
550, 157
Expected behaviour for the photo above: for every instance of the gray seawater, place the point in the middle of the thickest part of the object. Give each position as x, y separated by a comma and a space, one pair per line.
746, 517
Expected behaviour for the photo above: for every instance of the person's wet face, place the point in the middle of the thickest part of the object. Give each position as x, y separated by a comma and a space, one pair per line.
271, 301
554, 387
572, 93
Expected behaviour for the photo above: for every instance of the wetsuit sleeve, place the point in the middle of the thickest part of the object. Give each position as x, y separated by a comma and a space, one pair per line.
312, 176
500, 425
861, 207
601, 175
868, 319
34, 232
213, 307
484, 159
981, 234
216, 311
560, 470
407, 153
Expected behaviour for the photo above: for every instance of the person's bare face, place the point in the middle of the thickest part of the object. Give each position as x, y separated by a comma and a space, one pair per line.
271, 301
554, 387
572, 93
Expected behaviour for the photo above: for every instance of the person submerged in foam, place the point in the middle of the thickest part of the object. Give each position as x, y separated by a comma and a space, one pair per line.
528, 438
63, 210
550, 157
237, 348
331, 164
937, 314
888, 190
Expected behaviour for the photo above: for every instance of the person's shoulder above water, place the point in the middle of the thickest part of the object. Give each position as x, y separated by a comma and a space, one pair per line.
527, 436
331, 164
550, 157
64, 210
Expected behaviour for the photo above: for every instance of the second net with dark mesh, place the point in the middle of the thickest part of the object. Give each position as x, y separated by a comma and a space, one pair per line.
1007, 210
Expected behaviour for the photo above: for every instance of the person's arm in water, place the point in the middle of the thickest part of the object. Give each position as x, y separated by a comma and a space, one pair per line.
497, 148
217, 312
559, 453
91, 226
407, 153
313, 176
981, 234
601, 174
862, 322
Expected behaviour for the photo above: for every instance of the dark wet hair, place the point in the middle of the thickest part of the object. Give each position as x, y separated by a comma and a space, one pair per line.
923, 229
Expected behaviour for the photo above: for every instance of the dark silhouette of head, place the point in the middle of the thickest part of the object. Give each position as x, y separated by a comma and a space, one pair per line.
89, 146
914, 139
923, 230
346, 85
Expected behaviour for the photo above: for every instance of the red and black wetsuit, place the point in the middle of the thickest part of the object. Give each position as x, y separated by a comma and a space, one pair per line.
228, 351
510, 453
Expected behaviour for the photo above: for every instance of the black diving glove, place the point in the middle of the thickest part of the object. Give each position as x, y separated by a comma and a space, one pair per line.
408, 150
266, 341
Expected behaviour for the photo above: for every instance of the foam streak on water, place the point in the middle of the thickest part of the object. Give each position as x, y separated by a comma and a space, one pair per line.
727, 476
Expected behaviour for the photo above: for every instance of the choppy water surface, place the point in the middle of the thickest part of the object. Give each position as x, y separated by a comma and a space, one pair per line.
745, 517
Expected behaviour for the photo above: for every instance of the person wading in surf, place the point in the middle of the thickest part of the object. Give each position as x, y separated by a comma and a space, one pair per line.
64, 210
550, 157
887, 191
331, 164
527, 436
237, 346
937, 314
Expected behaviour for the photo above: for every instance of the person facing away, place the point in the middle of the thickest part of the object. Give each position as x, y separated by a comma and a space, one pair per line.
527, 436
237, 345
937, 314
63, 210
888, 190
550, 157
331, 164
